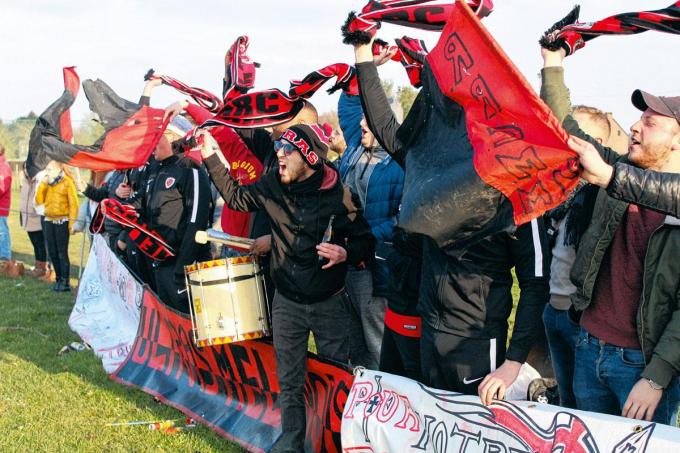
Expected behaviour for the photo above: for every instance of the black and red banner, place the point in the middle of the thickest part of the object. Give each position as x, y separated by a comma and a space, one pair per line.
484, 151
232, 388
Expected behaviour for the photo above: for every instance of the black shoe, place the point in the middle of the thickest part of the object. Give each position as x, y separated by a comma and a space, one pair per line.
61, 286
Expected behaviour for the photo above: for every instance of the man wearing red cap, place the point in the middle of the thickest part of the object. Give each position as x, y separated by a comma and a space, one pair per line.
627, 271
303, 200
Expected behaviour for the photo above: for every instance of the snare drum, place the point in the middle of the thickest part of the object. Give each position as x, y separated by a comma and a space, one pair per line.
227, 301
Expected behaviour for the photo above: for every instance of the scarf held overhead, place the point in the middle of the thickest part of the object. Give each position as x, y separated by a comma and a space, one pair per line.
422, 14
572, 35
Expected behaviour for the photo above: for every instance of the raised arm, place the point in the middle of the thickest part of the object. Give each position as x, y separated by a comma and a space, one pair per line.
379, 116
555, 93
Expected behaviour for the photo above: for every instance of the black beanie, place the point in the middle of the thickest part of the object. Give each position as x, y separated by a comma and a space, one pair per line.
311, 141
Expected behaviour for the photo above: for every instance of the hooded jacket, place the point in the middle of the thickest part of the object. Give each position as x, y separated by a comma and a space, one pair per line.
299, 214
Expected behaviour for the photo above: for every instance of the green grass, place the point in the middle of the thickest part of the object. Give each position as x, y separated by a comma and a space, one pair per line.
63, 403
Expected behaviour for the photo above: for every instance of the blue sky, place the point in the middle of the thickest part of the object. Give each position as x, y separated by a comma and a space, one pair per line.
118, 41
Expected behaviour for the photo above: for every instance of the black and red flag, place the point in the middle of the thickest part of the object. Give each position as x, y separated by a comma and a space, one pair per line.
572, 35
131, 131
484, 152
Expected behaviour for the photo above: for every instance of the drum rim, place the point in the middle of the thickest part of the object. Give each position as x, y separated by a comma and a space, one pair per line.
236, 260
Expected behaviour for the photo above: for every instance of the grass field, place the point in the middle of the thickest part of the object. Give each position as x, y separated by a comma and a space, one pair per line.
53, 403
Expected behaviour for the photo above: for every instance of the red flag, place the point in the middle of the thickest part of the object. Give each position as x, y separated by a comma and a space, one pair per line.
72, 84
127, 146
519, 147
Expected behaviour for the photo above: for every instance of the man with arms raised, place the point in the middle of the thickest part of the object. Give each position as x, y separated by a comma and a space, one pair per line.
302, 200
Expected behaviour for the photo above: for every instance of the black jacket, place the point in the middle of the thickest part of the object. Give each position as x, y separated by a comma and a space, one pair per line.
468, 295
298, 218
175, 202
652, 189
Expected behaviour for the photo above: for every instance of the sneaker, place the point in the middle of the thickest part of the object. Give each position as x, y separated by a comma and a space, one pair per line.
65, 287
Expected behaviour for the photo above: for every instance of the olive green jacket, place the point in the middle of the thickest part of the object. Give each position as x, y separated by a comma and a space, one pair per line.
658, 315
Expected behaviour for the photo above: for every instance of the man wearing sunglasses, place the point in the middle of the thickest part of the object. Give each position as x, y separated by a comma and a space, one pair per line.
303, 199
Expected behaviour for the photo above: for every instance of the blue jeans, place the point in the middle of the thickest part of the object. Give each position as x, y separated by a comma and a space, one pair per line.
562, 334
5, 241
605, 374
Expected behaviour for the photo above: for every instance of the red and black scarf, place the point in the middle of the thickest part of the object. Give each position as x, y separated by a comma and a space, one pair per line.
148, 242
273, 106
409, 52
204, 98
572, 35
239, 70
422, 14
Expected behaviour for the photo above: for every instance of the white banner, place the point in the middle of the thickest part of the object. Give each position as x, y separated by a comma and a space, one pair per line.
387, 413
106, 313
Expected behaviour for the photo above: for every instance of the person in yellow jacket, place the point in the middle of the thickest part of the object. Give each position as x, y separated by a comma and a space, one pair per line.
57, 192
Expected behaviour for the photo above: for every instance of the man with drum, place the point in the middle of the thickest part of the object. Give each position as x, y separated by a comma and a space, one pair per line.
317, 229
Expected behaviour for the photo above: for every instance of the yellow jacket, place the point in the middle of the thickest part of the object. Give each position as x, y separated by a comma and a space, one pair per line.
60, 200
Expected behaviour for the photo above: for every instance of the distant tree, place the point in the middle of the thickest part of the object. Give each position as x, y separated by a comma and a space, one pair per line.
330, 118
406, 95
89, 130
388, 87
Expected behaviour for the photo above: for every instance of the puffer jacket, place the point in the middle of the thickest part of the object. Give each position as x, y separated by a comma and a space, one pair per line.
658, 314
383, 196
60, 199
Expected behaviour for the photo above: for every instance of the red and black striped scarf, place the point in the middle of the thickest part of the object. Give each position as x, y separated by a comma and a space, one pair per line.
572, 35
422, 14
147, 241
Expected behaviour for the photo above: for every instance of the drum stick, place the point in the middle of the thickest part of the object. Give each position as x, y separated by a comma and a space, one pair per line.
203, 237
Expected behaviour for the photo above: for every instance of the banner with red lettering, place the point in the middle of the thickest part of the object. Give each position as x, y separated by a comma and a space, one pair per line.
388, 413
484, 151
232, 388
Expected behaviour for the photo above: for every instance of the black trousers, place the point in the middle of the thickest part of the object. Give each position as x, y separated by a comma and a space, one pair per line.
328, 320
38, 241
172, 292
452, 362
400, 355
57, 236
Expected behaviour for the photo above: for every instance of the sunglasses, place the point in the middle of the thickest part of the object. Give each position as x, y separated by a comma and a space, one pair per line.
284, 146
